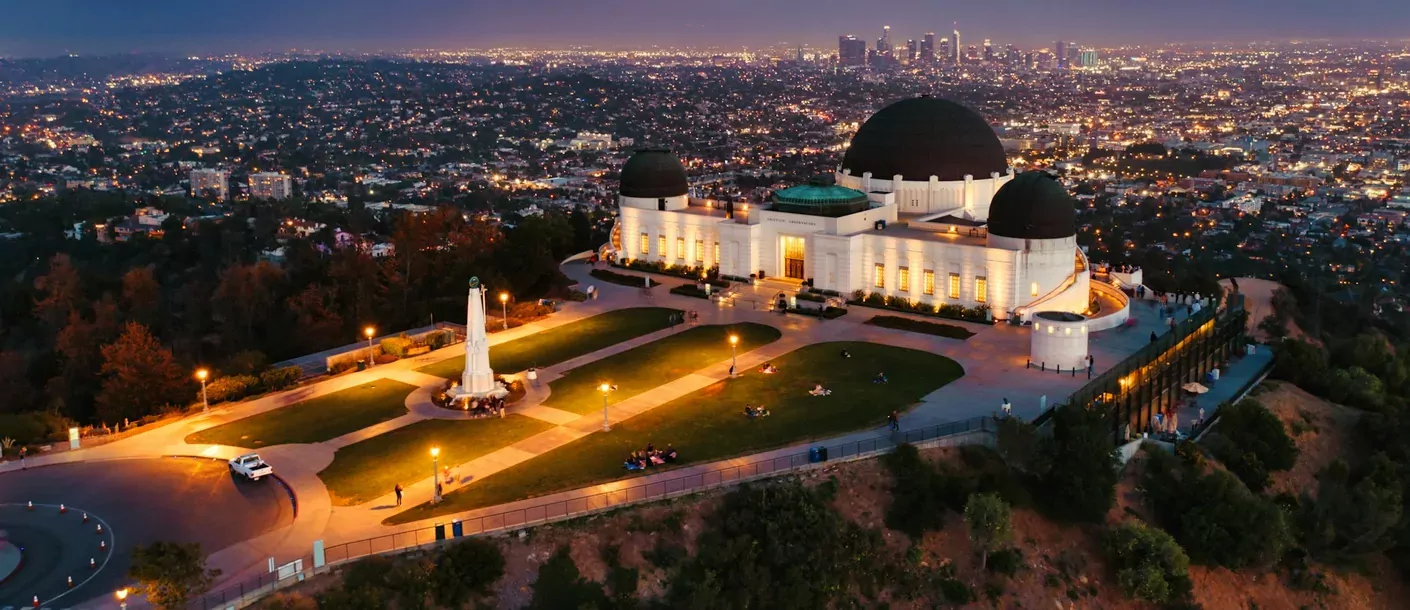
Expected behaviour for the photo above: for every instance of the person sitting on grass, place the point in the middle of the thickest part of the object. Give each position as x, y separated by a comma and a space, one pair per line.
669, 454
752, 412
768, 369
846, 354
880, 378
631, 464
818, 390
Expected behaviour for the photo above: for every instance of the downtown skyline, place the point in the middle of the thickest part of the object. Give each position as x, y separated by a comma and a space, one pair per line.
89, 27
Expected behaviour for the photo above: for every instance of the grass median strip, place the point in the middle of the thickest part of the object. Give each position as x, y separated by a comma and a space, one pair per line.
919, 326
709, 424
314, 420
366, 470
563, 343
657, 363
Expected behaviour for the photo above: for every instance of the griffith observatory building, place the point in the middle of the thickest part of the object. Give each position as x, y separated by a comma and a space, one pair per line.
924, 207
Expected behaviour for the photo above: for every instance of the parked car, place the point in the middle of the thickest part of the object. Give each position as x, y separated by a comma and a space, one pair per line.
250, 466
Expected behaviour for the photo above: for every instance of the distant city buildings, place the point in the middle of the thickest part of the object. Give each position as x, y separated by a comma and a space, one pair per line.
851, 51
270, 185
210, 183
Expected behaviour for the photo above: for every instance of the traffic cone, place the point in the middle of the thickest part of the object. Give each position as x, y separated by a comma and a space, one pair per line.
36, 601
102, 545
70, 582
85, 517
100, 528
31, 505
62, 509
92, 565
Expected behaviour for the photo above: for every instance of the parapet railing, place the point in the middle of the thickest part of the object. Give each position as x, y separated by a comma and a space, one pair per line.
244, 593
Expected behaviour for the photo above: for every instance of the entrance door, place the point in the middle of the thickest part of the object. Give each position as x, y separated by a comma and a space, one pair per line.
793, 253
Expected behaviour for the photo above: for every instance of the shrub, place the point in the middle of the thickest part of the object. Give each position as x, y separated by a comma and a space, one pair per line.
384, 359
917, 493
1253, 443
34, 427
1216, 519
439, 339
1080, 466
621, 279
1006, 561
232, 387
1150, 565
561, 585
396, 346
468, 567
690, 290
277, 379
930, 328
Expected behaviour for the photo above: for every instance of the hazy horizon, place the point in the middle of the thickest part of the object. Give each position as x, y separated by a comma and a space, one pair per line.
99, 27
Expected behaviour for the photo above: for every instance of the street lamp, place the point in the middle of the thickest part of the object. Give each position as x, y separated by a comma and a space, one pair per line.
202, 374
369, 331
121, 595
605, 387
734, 353
504, 304
435, 474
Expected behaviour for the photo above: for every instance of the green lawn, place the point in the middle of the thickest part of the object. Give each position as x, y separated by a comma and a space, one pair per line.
565, 342
710, 425
315, 420
366, 470
657, 363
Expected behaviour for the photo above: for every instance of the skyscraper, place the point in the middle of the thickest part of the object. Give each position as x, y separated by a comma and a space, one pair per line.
988, 51
927, 48
883, 44
944, 53
1061, 53
851, 51
911, 50
955, 47
1074, 53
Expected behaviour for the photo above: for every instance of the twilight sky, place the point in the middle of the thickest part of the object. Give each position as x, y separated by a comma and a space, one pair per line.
51, 27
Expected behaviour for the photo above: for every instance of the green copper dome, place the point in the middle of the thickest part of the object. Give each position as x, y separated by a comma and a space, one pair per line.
820, 197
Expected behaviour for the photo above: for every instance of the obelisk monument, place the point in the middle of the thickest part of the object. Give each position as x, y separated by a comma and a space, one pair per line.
478, 379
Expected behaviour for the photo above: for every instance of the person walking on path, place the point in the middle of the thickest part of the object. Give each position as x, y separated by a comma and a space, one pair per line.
23, 452
1008, 408
894, 420
398, 489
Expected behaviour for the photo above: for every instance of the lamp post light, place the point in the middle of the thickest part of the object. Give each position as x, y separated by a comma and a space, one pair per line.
435, 475
121, 595
368, 332
504, 305
734, 353
202, 374
605, 387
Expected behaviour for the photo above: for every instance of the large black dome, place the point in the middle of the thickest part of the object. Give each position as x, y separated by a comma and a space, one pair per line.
1034, 205
653, 173
923, 137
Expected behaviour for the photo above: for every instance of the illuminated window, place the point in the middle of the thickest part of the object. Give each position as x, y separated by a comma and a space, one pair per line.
954, 291
680, 248
645, 244
661, 246
981, 289
700, 251
1033, 290
929, 282
717, 254
903, 279
880, 280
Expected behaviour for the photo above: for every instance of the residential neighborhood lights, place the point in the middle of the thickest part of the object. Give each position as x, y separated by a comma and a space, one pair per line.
605, 387
436, 474
202, 374
504, 304
369, 331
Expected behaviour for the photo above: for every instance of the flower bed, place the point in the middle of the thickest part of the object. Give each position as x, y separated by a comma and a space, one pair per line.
920, 326
977, 315
826, 313
682, 271
690, 290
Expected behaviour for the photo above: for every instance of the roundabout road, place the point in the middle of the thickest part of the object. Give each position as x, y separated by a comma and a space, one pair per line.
142, 501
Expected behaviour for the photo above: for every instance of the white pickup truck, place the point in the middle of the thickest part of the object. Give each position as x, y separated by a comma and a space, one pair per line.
250, 466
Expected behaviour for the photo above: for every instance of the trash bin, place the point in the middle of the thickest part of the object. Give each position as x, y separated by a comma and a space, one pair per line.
814, 456
457, 529
822, 454
361, 365
440, 531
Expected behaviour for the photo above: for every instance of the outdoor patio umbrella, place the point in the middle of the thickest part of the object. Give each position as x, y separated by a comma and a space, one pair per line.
1194, 387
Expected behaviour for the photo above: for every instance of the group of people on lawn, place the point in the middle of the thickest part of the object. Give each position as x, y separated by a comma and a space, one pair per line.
641, 460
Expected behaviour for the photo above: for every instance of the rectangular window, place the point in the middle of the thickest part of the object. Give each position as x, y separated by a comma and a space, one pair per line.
929, 282
903, 279
661, 246
981, 289
880, 280
700, 251
954, 291
645, 244
1033, 290
717, 254
680, 248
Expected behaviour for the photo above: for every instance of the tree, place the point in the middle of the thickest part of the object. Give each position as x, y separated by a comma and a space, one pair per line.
14, 383
62, 289
142, 295
466, 568
1081, 467
244, 298
560, 585
990, 526
1150, 565
317, 324
170, 574
1252, 443
1351, 518
139, 376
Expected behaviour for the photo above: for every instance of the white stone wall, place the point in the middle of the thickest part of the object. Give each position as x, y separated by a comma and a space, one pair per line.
1059, 343
967, 261
671, 225
930, 195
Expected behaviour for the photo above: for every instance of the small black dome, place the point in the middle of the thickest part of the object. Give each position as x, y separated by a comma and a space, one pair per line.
653, 173
923, 137
1034, 205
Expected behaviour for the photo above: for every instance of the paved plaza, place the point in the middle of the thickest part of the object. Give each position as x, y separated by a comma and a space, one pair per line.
994, 362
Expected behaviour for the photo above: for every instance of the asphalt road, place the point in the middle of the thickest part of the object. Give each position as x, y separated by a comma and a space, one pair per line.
143, 501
